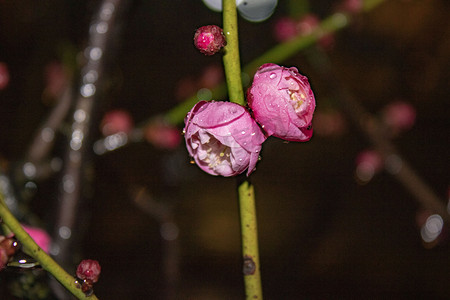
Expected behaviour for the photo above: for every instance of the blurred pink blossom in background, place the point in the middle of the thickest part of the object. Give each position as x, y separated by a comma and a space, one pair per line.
399, 116
115, 121
163, 135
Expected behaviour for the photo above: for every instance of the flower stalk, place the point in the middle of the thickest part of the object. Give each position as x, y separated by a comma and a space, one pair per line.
231, 60
68, 281
249, 232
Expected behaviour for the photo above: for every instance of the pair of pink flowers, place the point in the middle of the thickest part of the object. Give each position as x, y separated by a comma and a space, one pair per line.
224, 138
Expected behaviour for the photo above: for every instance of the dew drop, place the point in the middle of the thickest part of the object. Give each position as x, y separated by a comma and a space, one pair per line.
272, 75
243, 132
253, 133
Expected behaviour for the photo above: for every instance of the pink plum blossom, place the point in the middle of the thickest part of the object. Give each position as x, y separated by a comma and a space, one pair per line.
222, 138
40, 236
209, 39
282, 102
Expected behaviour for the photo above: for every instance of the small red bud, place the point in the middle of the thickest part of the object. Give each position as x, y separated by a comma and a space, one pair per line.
89, 270
209, 39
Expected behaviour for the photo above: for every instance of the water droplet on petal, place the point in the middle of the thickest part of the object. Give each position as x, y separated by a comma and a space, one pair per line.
272, 76
243, 132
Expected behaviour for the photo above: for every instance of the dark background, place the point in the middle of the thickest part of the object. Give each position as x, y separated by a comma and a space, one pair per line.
322, 235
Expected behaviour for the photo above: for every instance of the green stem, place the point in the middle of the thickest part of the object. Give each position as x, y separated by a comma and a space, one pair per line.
68, 281
249, 232
231, 59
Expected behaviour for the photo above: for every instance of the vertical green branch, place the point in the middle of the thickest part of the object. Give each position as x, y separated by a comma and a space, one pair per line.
231, 59
249, 232
37, 253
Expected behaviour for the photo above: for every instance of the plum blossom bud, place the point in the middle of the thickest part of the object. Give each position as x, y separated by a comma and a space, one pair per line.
282, 102
116, 121
209, 39
89, 269
222, 138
